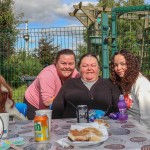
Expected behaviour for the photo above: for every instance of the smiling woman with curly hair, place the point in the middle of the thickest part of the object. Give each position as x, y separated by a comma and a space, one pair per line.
125, 72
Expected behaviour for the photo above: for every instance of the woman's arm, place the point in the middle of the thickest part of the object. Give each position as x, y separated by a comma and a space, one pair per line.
48, 84
49, 101
142, 93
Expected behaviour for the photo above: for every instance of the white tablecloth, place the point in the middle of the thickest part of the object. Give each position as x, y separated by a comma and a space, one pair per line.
128, 135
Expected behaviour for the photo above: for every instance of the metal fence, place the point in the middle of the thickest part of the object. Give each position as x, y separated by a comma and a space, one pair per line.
20, 63
21, 59
63, 37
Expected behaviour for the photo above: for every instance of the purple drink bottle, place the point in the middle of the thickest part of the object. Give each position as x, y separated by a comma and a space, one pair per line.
122, 116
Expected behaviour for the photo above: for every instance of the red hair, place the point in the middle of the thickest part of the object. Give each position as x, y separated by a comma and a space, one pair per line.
5, 94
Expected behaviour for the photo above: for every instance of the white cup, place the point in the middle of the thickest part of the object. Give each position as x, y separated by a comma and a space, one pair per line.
4, 124
48, 112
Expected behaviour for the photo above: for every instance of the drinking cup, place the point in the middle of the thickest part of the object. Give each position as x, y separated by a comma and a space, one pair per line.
82, 114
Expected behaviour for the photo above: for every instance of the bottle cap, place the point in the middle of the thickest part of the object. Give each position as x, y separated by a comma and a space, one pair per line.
121, 97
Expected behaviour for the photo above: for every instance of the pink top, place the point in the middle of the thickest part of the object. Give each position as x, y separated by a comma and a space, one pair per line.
46, 85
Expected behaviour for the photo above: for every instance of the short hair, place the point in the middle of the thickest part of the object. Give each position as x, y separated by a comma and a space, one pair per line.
64, 52
88, 55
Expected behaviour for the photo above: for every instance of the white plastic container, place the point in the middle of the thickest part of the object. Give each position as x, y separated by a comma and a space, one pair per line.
4, 124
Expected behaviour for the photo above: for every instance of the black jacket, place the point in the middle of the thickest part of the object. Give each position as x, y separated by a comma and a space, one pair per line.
103, 95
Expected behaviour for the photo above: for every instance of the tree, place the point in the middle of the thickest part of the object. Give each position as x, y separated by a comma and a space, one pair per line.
82, 49
8, 32
106, 3
46, 51
134, 2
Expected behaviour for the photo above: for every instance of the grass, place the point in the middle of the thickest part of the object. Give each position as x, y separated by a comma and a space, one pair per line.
18, 93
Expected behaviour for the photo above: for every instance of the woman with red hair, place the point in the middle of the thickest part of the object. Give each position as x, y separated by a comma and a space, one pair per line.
6, 101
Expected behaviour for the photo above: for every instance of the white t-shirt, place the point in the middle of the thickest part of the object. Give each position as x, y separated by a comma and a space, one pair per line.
140, 95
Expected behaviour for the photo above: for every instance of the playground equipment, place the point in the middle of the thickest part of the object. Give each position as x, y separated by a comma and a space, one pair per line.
96, 22
125, 27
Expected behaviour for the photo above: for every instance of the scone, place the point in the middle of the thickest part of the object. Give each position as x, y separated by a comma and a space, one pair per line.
87, 134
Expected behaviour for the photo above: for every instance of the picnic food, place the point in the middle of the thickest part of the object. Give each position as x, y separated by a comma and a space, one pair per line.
101, 121
86, 134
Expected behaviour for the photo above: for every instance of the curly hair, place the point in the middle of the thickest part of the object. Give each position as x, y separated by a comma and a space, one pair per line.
131, 74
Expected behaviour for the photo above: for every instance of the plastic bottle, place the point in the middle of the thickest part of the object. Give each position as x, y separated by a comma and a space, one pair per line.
122, 116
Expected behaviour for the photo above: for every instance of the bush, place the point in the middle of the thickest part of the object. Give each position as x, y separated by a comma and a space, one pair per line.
20, 65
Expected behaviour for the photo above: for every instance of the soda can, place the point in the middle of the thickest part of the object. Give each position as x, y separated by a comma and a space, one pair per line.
82, 114
41, 127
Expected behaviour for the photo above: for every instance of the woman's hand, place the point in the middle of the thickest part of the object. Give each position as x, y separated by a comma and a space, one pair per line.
49, 101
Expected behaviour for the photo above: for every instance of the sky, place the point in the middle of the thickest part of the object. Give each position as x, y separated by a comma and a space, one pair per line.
49, 13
